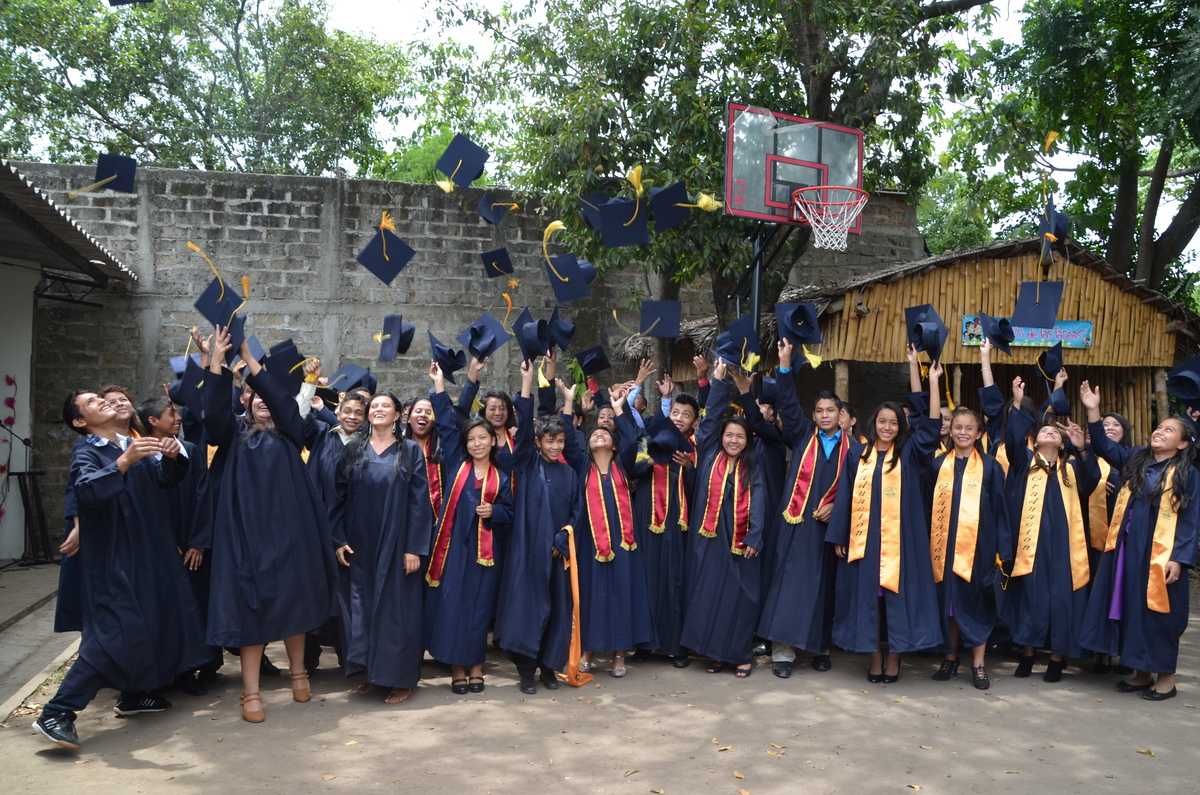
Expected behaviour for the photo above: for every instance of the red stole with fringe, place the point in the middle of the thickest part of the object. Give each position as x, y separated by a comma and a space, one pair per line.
484, 555
434, 473
794, 513
598, 518
661, 488
718, 478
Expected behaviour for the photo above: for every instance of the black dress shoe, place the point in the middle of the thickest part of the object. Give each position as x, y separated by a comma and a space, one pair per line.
782, 669
640, 655
267, 668
874, 678
1154, 695
188, 683
890, 679
476, 685
681, 662
760, 650
1024, 667
458, 687
1054, 671
1125, 687
1122, 670
528, 687
821, 662
549, 679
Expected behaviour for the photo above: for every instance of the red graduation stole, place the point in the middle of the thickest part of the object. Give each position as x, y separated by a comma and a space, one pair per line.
660, 488
794, 512
441, 544
434, 473
598, 518
717, 479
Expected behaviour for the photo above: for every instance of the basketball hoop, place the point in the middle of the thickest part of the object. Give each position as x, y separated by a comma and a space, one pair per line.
830, 210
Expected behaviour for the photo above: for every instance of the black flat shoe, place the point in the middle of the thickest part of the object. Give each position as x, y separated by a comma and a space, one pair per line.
761, 650
1154, 695
822, 662
1122, 670
782, 669
458, 687
681, 662
979, 678
188, 683
1054, 670
267, 668
476, 685
1125, 687
1025, 666
640, 656
528, 687
744, 673
874, 678
947, 669
549, 679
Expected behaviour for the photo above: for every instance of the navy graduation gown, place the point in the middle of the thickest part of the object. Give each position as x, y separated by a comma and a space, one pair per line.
460, 609
68, 607
140, 623
324, 445
798, 605
382, 516
614, 610
1041, 608
770, 452
723, 589
974, 604
1146, 640
273, 569
533, 618
912, 614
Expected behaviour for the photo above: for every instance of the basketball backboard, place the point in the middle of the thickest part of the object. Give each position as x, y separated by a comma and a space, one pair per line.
769, 155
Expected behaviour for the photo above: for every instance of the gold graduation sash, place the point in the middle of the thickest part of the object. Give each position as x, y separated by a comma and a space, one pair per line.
1098, 507
1031, 525
968, 516
889, 516
1164, 541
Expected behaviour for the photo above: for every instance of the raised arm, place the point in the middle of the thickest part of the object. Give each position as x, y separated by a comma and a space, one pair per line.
445, 421
796, 424
1106, 448
707, 435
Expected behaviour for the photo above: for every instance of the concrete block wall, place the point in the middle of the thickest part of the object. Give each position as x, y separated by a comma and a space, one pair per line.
296, 238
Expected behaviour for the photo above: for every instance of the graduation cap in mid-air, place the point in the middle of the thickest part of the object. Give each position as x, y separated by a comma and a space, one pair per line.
1050, 361
768, 391
798, 323
1037, 304
1184, 382
561, 331
114, 172
352, 376
450, 360
285, 363
179, 363
219, 304
497, 263
533, 336
998, 331
484, 337
590, 205
624, 223
567, 279
670, 205
593, 360
462, 162
386, 254
925, 330
396, 337
493, 211
1052, 228
660, 319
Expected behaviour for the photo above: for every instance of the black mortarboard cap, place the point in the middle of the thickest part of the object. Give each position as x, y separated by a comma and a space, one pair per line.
798, 323
484, 337
588, 270
496, 263
220, 311
1050, 361
351, 376
1037, 308
593, 360
1184, 382
744, 335
386, 255
561, 331
660, 319
285, 363
123, 171
1054, 224
256, 349
491, 210
572, 285
665, 202
462, 161
624, 223
768, 390
448, 359
179, 363
926, 331
590, 205
396, 337
998, 331
664, 439
534, 338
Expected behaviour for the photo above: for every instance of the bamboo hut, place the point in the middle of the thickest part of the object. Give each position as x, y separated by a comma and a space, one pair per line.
1136, 334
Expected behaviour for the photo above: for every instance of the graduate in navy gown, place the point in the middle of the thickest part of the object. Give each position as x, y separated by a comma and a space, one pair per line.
880, 529
1138, 606
1047, 591
1098, 514
463, 576
660, 519
381, 525
419, 428
325, 441
614, 610
533, 619
727, 514
273, 567
969, 532
496, 407
805, 565
140, 623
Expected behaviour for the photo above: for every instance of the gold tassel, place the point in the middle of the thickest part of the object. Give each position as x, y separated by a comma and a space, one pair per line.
509, 205
749, 360
507, 312
542, 382
635, 333
814, 361
448, 184
949, 400
75, 194
705, 202
216, 273
388, 224
551, 229
1051, 137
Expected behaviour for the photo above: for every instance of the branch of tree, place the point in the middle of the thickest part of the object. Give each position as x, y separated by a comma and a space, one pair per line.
948, 7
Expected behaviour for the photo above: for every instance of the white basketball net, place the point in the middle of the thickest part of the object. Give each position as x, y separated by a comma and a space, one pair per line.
830, 211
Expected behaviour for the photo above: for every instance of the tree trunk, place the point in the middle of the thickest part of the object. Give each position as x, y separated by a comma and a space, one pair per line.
1177, 236
1125, 212
1146, 235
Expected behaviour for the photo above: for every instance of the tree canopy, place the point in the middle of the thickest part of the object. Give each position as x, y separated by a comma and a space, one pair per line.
245, 85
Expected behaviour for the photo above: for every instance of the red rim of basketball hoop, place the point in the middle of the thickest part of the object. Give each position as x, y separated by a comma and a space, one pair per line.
830, 210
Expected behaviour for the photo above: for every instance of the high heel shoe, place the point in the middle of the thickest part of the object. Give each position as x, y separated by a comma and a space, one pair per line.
1024, 667
252, 715
947, 669
891, 679
979, 678
301, 694
874, 678
1054, 671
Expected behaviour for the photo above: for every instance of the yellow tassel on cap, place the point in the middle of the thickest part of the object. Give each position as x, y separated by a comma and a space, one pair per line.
705, 202
216, 272
634, 178
1051, 137
553, 227
448, 184
949, 400
89, 188
814, 361
507, 312
542, 382
389, 224
509, 205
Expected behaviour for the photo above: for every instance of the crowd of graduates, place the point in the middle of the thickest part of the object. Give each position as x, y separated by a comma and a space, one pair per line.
245, 509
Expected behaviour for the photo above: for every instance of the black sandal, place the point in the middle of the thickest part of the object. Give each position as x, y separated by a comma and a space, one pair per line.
715, 667
744, 673
458, 689
476, 685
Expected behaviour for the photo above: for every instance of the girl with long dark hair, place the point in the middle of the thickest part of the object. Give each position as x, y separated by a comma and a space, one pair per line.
381, 521
1139, 601
463, 577
419, 427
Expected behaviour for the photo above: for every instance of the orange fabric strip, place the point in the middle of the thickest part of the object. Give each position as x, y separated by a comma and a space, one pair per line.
1098, 519
889, 516
1157, 598
1031, 524
968, 516
574, 677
